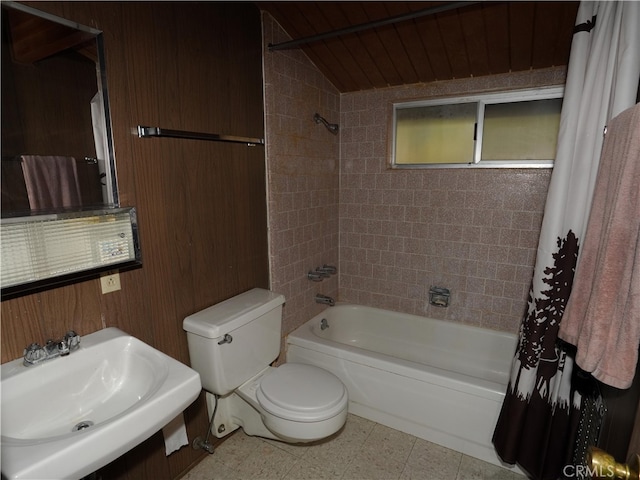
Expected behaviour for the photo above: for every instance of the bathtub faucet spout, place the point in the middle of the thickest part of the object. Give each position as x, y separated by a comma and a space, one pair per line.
325, 299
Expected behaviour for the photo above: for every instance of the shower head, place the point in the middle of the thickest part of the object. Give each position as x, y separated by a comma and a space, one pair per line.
332, 127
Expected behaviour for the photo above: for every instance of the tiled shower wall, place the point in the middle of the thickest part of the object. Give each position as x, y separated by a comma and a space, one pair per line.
303, 177
393, 233
474, 231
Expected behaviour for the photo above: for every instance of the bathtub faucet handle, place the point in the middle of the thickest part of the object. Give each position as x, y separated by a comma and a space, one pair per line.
328, 269
321, 273
315, 276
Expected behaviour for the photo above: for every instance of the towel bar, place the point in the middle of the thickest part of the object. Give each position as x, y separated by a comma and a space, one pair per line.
144, 132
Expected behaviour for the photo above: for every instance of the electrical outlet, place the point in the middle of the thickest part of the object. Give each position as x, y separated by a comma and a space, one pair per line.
110, 282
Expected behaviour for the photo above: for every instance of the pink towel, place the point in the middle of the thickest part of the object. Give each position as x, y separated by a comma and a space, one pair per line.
602, 318
51, 181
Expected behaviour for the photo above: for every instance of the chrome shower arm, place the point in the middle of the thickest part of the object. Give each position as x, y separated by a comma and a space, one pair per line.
332, 127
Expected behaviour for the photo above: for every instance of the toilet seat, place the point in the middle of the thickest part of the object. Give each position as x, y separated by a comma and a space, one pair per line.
301, 393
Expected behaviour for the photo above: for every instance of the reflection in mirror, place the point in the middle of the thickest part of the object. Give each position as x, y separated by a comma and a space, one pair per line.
56, 139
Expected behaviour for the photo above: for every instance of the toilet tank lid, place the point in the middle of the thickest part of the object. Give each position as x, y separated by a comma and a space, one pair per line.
226, 316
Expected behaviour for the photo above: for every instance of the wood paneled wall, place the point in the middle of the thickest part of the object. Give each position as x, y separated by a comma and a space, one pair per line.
201, 205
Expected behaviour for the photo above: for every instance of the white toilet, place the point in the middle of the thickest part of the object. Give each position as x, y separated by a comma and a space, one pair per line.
231, 346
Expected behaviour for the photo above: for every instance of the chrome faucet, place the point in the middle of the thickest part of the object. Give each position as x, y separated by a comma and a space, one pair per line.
325, 299
34, 354
327, 270
321, 273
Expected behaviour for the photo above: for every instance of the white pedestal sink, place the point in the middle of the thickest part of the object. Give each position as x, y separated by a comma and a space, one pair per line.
69, 416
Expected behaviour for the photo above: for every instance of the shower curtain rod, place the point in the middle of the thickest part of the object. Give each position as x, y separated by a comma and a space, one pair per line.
146, 132
365, 26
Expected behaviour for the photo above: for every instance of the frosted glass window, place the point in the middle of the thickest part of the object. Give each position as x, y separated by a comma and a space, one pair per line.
512, 129
435, 134
521, 130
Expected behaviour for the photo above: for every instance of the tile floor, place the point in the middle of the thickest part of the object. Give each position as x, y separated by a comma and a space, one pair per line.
363, 450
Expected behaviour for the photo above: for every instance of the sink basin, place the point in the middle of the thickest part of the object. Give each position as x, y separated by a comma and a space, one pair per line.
69, 416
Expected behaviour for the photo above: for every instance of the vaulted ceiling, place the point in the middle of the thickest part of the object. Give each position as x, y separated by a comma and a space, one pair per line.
375, 45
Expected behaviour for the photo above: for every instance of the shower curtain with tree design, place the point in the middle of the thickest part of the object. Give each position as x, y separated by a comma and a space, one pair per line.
542, 406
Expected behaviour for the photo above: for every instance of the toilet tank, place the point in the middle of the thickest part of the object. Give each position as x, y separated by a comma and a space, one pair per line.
252, 321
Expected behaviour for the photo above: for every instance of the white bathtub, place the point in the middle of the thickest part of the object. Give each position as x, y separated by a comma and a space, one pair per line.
440, 381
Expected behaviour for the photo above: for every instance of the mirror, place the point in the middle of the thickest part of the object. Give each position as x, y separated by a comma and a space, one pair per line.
57, 152
60, 220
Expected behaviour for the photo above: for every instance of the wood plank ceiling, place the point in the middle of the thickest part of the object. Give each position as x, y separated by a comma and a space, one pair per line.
479, 38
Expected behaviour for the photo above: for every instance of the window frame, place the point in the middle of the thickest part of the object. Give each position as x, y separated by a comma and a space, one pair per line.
481, 99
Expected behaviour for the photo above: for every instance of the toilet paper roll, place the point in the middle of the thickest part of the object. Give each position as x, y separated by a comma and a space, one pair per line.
175, 435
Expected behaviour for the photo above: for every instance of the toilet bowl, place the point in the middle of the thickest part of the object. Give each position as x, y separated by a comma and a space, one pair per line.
297, 402
231, 346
